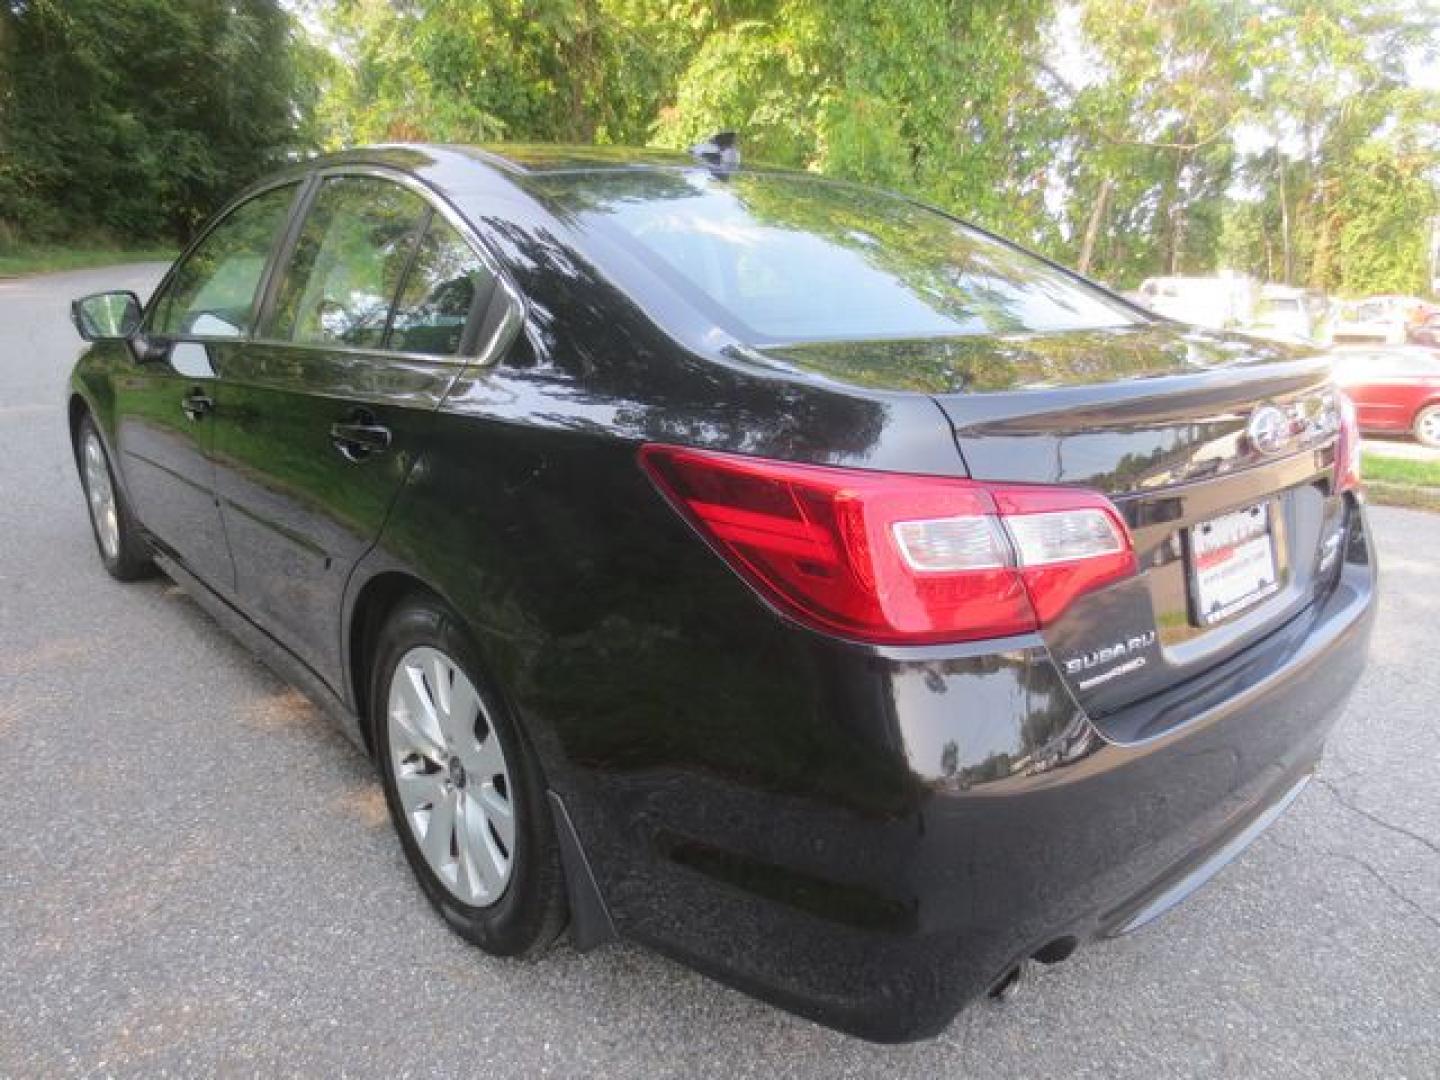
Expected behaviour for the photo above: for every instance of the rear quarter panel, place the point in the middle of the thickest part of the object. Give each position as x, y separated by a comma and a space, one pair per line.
628, 650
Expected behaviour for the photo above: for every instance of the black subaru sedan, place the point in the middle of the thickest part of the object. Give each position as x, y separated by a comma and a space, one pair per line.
825, 592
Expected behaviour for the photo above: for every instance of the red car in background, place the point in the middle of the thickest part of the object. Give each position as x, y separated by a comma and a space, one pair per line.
1395, 389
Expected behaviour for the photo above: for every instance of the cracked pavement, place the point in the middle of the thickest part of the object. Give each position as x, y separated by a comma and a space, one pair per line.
197, 874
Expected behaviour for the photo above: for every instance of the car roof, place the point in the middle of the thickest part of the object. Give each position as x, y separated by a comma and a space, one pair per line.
533, 158
514, 160
465, 174
460, 171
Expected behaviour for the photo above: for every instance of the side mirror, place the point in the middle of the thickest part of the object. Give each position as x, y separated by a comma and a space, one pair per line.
107, 316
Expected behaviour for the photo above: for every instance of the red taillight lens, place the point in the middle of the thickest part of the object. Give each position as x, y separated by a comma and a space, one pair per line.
1347, 446
892, 558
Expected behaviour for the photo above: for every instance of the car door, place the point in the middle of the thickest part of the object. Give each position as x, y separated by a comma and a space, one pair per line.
165, 403
1379, 392
368, 318
1414, 386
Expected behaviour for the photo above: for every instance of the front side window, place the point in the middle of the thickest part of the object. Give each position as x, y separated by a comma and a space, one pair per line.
212, 293
439, 293
348, 263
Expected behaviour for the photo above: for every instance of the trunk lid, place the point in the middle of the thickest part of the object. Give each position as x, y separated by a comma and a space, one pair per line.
1159, 418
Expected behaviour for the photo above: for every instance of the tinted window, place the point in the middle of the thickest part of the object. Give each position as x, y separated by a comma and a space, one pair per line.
790, 259
212, 292
439, 292
348, 262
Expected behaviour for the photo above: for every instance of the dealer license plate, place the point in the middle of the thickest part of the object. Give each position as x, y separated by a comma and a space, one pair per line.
1232, 563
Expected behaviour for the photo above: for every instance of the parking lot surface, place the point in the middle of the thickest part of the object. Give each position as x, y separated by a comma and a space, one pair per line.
197, 874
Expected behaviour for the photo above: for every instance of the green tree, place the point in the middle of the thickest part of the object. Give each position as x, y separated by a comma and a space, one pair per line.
932, 96
1283, 138
1149, 155
541, 70
935, 97
1332, 89
139, 118
1383, 204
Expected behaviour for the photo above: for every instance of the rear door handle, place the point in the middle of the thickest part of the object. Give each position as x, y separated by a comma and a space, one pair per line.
360, 438
196, 404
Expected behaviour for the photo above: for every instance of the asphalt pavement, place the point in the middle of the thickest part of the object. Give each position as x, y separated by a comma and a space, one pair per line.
197, 875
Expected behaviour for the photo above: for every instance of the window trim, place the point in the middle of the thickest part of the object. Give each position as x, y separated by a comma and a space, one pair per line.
422, 227
161, 293
472, 350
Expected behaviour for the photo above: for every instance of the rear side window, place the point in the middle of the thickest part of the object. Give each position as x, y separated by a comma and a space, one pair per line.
440, 291
348, 263
213, 291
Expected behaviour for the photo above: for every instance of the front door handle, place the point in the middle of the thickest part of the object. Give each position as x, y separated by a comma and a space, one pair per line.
196, 404
360, 437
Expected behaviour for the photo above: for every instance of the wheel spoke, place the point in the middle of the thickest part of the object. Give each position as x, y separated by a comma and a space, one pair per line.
439, 833
418, 790
417, 715
478, 874
494, 864
501, 815
439, 673
485, 760
464, 709
480, 851
407, 738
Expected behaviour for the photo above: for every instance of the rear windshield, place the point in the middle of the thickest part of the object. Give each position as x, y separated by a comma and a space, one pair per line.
781, 259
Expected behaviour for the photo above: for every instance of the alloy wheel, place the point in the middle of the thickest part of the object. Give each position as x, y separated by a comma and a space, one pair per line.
1428, 429
451, 776
100, 493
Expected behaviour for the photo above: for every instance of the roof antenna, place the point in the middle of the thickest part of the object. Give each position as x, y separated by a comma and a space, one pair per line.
721, 150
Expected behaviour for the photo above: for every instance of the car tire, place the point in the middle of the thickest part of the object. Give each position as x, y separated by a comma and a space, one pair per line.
124, 551
453, 759
1427, 427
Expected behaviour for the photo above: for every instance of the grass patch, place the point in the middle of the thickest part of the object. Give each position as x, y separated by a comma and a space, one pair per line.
18, 260
1394, 470
1407, 495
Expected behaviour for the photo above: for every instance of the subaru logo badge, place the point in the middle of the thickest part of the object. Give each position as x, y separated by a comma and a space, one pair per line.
1269, 430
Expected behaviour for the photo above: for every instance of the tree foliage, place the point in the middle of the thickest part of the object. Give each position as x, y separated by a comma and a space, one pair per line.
932, 96
1287, 139
1239, 133
137, 118
575, 71
1155, 126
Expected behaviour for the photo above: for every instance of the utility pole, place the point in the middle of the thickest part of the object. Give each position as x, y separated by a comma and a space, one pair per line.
1289, 266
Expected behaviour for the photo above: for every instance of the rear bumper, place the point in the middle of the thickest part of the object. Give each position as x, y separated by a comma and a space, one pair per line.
1002, 823
1203, 865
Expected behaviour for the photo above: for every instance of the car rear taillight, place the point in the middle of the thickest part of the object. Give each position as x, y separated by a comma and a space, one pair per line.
1347, 446
894, 558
